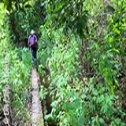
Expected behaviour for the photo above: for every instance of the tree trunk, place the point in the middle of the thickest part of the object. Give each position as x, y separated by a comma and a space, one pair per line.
6, 97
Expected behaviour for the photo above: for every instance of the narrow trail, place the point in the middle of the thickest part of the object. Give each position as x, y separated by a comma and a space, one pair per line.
36, 110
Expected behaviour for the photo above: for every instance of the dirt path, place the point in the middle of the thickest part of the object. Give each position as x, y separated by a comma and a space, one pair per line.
36, 116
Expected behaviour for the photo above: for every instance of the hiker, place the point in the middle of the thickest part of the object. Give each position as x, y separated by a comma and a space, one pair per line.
33, 45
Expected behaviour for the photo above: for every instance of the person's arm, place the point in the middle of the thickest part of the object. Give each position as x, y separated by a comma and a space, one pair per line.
36, 39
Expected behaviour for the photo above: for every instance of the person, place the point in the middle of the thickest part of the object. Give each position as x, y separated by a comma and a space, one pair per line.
33, 45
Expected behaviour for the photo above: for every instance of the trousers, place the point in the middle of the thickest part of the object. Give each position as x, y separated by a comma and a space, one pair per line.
34, 55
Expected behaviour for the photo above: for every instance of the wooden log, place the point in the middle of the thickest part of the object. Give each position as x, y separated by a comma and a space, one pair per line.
37, 115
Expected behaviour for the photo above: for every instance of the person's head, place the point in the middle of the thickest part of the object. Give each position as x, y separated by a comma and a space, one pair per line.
32, 32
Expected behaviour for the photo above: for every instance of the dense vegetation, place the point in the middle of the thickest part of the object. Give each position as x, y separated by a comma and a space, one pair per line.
81, 60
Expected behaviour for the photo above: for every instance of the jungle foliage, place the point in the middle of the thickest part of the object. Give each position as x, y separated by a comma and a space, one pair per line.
81, 57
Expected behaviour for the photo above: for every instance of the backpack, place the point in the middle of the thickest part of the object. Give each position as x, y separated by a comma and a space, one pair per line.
32, 40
